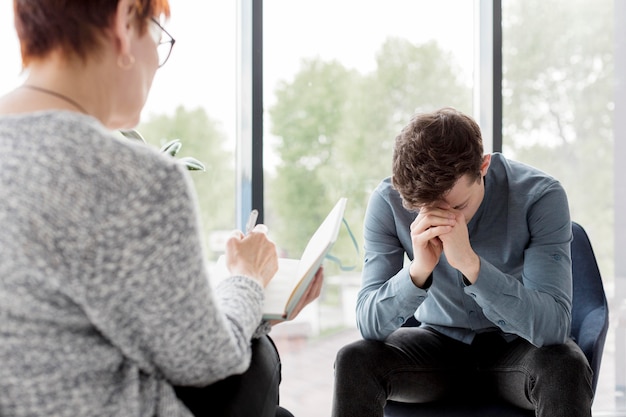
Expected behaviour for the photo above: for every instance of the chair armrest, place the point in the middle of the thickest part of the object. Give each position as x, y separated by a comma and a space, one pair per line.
591, 337
591, 330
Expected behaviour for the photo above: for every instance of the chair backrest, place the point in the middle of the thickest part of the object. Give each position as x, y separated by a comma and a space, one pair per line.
590, 312
590, 321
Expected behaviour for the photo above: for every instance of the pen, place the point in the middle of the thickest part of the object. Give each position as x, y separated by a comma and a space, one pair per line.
254, 214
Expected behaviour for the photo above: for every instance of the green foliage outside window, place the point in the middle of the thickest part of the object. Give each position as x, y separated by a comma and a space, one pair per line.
332, 127
558, 88
335, 127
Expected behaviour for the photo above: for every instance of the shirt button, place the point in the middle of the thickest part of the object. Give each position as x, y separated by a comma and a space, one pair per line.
473, 295
501, 322
401, 320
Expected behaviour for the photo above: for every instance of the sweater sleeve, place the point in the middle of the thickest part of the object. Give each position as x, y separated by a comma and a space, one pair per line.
144, 282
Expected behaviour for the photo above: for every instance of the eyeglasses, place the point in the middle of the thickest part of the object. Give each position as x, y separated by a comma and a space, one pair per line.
164, 46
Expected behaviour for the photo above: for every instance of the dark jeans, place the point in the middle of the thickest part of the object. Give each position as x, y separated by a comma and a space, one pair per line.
421, 365
253, 393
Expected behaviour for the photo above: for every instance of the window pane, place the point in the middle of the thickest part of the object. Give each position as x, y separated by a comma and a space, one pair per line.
340, 80
193, 99
558, 86
10, 69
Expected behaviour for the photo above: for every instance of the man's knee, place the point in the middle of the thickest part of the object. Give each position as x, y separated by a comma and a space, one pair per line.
561, 371
353, 354
565, 360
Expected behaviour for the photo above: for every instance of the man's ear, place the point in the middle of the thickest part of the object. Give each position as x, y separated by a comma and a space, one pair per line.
123, 25
485, 165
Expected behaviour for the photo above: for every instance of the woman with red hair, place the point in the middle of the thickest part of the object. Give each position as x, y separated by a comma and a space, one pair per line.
105, 303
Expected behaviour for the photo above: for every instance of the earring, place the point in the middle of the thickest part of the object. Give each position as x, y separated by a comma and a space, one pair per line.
125, 62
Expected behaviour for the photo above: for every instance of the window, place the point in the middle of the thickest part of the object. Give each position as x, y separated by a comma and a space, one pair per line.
339, 81
10, 69
558, 115
193, 98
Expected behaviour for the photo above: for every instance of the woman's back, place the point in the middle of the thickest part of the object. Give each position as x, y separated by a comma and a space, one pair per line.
100, 264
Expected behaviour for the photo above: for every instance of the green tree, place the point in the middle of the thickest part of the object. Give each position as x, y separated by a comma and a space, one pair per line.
308, 114
408, 79
335, 128
203, 139
558, 99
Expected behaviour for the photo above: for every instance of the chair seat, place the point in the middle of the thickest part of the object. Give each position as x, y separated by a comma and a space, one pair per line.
440, 409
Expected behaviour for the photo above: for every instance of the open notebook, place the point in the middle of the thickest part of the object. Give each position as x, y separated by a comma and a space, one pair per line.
294, 276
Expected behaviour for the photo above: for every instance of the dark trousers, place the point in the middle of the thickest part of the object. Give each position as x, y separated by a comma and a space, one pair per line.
253, 393
421, 365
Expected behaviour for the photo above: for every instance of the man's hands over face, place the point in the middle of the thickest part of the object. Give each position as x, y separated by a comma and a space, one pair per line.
426, 229
441, 229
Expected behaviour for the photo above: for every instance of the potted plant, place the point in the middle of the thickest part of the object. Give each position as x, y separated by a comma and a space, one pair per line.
172, 147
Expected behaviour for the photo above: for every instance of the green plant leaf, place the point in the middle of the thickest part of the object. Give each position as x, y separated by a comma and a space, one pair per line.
192, 164
133, 134
172, 147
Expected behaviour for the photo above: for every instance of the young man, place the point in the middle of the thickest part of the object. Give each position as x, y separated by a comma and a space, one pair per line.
489, 279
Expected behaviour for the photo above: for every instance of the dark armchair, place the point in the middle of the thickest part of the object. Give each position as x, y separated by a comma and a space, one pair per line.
590, 321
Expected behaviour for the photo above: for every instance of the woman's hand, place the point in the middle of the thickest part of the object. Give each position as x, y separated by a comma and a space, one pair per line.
252, 255
311, 294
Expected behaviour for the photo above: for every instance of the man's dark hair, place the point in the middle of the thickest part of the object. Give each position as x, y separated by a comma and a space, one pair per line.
432, 152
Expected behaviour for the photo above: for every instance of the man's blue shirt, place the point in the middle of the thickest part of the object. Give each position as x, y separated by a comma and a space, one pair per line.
522, 234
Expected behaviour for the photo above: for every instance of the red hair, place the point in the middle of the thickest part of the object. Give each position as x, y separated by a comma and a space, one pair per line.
74, 26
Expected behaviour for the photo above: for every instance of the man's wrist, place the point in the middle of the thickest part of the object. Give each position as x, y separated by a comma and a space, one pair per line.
470, 273
422, 281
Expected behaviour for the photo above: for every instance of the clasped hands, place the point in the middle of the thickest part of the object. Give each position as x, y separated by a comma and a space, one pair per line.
438, 229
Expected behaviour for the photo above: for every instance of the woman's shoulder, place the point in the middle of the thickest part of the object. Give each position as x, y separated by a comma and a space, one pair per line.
77, 149
91, 143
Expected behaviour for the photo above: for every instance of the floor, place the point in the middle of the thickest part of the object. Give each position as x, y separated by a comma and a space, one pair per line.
306, 388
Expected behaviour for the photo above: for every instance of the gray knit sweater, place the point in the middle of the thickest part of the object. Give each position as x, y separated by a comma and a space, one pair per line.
104, 295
